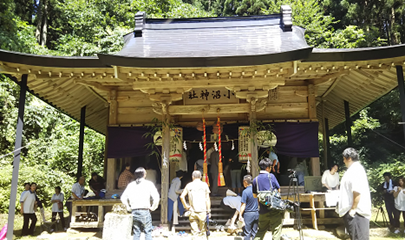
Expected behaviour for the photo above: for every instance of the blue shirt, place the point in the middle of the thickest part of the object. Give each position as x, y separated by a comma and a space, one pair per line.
249, 200
264, 185
273, 157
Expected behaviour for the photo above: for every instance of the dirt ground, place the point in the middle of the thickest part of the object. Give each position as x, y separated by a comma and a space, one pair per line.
288, 233
377, 232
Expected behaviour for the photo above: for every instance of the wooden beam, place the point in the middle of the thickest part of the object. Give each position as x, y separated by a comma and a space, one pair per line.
334, 84
113, 107
328, 78
311, 102
209, 109
135, 110
96, 85
201, 83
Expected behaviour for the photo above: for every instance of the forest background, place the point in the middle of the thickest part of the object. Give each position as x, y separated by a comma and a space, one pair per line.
87, 27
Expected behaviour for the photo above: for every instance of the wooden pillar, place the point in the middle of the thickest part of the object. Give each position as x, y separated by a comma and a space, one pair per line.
111, 162
81, 141
17, 155
314, 161
348, 124
113, 107
165, 166
311, 102
315, 166
111, 166
400, 78
253, 142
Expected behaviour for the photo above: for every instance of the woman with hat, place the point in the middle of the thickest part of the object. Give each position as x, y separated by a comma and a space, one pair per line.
174, 203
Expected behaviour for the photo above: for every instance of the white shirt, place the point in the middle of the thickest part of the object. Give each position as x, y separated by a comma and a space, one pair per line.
400, 200
197, 192
331, 180
174, 187
55, 207
78, 190
22, 194
138, 195
29, 201
355, 180
233, 202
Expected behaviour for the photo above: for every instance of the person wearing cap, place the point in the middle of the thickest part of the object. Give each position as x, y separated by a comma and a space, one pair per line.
174, 203
199, 205
249, 210
268, 218
125, 177
137, 198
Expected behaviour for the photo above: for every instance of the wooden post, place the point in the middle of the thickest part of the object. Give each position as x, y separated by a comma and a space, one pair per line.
165, 166
315, 166
400, 78
111, 165
313, 211
113, 107
111, 162
17, 155
81, 141
311, 102
348, 124
253, 142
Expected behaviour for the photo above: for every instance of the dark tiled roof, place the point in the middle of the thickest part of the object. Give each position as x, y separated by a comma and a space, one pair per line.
355, 54
50, 61
216, 38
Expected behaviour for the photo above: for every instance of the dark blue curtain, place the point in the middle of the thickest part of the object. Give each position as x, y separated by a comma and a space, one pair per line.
293, 139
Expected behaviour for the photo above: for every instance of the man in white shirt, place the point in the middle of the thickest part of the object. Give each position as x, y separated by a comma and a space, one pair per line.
78, 189
28, 202
137, 197
77, 193
330, 179
199, 203
27, 187
355, 201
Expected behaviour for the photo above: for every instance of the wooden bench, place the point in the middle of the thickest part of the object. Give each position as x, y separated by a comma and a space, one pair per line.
100, 203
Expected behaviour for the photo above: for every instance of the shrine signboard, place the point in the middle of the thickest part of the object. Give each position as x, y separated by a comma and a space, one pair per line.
198, 96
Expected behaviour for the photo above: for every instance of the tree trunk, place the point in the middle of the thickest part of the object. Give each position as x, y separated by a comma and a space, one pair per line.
42, 23
394, 34
39, 22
